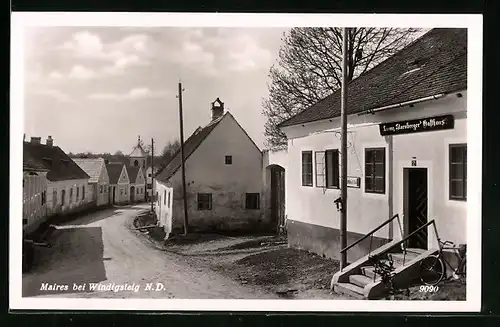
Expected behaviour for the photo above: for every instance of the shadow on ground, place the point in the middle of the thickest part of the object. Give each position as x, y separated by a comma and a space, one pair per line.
75, 258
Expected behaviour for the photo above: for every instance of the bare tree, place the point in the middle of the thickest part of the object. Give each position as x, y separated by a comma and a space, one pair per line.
310, 68
170, 150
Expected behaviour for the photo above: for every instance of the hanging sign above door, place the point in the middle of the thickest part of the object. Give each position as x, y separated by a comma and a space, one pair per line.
417, 125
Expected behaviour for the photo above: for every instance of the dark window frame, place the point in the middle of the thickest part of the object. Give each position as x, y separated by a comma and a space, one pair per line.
308, 174
373, 176
463, 178
252, 201
228, 160
336, 169
204, 203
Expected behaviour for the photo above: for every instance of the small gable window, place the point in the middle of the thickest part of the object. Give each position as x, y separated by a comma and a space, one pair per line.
204, 201
77, 192
70, 195
252, 201
229, 160
100, 189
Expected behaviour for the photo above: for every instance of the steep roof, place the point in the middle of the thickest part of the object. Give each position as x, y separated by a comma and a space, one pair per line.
52, 158
114, 171
433, 64
132, 173
30, 164
92, 166
138, 152
190, 145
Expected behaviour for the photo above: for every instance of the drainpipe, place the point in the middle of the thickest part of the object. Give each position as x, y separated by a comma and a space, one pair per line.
390, 188
402, 104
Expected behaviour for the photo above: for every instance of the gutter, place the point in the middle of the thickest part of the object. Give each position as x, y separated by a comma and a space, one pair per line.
402, 104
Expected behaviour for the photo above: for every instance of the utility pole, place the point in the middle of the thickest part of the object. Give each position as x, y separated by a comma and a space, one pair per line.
183, 170
152, 172
343, 152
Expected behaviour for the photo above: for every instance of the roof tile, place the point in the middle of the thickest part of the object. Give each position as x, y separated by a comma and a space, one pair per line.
52, 158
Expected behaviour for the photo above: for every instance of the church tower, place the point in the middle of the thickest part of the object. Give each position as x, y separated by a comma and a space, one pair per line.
138, 156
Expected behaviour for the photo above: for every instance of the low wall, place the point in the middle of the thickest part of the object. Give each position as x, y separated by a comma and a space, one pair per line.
325, 241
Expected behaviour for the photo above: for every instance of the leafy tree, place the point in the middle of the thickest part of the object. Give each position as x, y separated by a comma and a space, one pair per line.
310, 68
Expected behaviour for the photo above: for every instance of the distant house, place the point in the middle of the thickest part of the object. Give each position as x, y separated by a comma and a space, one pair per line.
407, 153
137, 183
119, 183
99, 179
223, 177
34, 193
67, 189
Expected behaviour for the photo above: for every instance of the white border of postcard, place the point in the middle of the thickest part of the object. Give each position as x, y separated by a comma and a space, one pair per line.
474, 129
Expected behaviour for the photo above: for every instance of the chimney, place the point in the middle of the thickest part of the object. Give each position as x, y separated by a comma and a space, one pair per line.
217, 109
50, 141
36, 140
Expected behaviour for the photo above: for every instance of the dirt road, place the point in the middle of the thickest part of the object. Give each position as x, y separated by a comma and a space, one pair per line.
100, 250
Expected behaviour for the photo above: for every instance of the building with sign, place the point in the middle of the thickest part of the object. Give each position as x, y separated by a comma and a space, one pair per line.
407, 153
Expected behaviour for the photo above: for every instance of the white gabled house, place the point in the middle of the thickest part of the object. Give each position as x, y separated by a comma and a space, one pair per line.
119, 183
223, 178
407, 155
137, 183
99, 179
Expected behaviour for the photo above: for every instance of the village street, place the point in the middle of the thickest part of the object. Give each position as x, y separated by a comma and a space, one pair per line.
102, 248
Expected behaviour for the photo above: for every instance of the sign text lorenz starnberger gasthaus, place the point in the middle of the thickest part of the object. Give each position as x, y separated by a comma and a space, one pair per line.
417, 125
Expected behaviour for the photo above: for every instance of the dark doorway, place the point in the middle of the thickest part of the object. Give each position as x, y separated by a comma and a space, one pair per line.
114, 194
132, 193
416, 206
277, 196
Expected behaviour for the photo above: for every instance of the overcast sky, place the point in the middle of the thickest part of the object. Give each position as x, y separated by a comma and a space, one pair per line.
97, 89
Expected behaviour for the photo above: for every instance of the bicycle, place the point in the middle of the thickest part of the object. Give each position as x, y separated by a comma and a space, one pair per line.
385, 270
433, 268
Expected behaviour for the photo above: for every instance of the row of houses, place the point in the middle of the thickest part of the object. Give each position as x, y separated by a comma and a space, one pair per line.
407, 155
55, 184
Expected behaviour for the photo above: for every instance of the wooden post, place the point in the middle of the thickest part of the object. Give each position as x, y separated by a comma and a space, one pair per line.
343, 145
152, 173
183, 170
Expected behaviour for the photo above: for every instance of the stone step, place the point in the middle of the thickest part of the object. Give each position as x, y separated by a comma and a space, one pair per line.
401, 258
368, 271
349, 289
360, 280
415, 251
